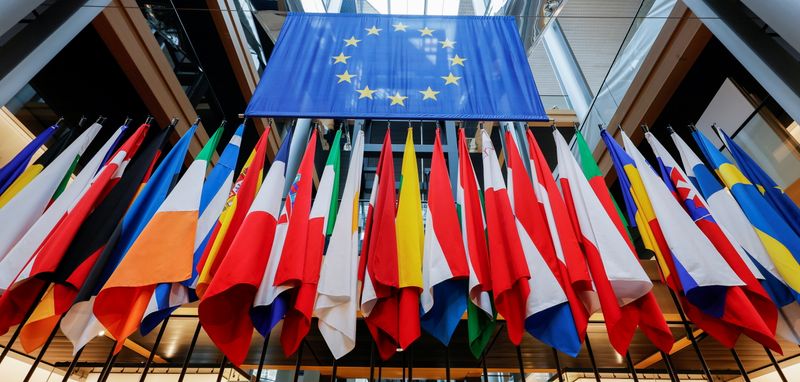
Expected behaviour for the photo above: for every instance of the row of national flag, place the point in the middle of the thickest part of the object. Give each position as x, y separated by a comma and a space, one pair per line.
132, 237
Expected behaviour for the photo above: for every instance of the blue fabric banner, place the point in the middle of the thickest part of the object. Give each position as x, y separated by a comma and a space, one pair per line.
406, 67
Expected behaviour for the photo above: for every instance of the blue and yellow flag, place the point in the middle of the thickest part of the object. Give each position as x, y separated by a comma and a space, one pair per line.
390, 66
774, 194
780, 241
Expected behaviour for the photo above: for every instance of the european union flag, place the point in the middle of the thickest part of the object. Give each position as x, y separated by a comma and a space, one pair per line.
407, 67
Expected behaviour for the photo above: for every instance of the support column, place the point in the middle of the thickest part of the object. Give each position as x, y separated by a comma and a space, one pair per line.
299, 140
569, 73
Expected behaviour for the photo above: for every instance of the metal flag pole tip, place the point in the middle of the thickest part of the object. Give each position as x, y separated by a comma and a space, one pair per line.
600, 126
196, 121
670, 129
645, 128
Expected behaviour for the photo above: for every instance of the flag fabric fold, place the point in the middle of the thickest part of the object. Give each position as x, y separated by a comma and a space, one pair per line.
298, 319
481, 314
224, 309
623, 287
574, 273
697, 208
79, 324
713, 300
169, 296
69, 253
230, 219
162, 253
336, 306
757, 227
444, 264
509, 269
301, 256
271, 304
378, 268
548, 315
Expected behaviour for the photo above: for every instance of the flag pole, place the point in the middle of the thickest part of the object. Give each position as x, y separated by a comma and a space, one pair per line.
74, 363
742, 370
333, 372
447, 363
38, 359
591, 358
404, 367
485, 369
410, 363
519, 361
21, 324
222, 368
631, 367
558, 366
372, 362
690, 334
155, 348
189, 352
668, 363
775, 364
297, 363
107, 366
262, 358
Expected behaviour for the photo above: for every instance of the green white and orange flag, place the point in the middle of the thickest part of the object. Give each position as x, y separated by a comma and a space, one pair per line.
162, 253
595, 177
469, 202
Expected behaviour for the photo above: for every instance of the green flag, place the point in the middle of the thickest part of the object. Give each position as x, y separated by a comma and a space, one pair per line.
595, 176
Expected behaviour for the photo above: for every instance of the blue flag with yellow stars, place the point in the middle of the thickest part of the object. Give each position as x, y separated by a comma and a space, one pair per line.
406, 67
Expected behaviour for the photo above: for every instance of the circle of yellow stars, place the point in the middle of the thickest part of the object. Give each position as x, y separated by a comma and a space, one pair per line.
398, 99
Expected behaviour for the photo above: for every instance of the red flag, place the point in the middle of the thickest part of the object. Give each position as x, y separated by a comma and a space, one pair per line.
509, 269
380, 295
236, 207
302, 254
224, 309
580, 292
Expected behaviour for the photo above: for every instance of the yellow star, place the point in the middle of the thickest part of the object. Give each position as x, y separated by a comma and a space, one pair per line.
450, 79
366, 92
373, 30
352, 41
456, 60
397, 99
344, 77
340, 58
400, 27
426, 32
447, 43
429, 94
